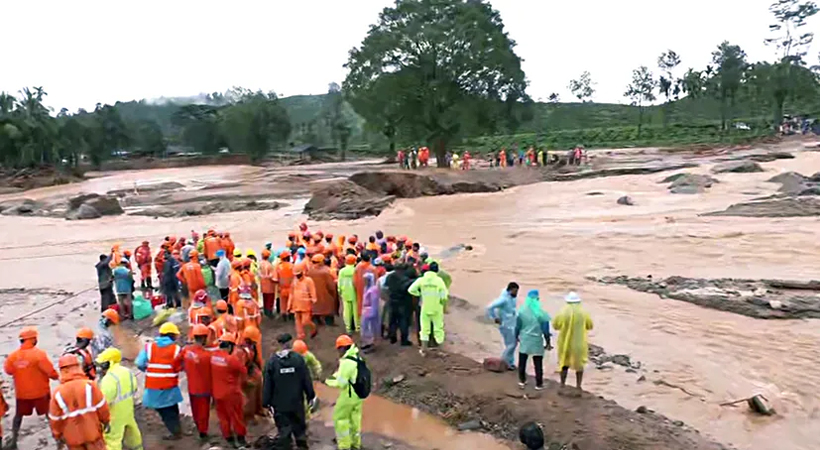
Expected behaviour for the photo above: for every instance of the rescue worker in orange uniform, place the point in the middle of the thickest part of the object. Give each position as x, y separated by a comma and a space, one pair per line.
251, 340
235, 282
227, 375
31, 370
162, 391
302, 299
198, 311
78, 413
267, 285
159, 260
82, 350
226, 320
142, 257
283, 277
227, 244
211, 244
195, 360
249, 278
190, 275
358, 278
247, 310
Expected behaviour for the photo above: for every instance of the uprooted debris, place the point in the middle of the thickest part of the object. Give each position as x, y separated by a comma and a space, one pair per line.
345, 200
205, 208
763, 299
757, 404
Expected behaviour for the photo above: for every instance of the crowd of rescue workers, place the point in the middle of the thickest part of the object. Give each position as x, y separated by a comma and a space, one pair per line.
382, 288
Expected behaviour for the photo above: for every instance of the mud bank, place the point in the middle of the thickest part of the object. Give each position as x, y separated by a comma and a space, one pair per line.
459, 391
15, 180
761, 299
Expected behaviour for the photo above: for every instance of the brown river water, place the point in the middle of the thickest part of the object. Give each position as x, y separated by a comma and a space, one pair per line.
549, 236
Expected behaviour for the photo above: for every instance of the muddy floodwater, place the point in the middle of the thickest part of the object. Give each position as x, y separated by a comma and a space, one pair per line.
549, 236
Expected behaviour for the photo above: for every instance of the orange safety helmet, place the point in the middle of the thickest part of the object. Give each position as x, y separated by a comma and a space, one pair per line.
85, 333
252, 333
28, 333
352, 239
221, 306
343, 341
193, 255
329, 236
292, 234
246, 263
300, 347
68, 361
350, 259
402, 238
126, 253
303, 226
285, 255
200, 330
265, 254
318, 258
112, 315
228, 337
320, 233
236, 263
306, 235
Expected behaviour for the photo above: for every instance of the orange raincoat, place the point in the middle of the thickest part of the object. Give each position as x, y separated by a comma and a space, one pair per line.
73, 419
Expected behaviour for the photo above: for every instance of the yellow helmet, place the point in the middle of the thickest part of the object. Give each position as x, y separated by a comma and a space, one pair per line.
249, 252
168, 328
110, 355
237, 253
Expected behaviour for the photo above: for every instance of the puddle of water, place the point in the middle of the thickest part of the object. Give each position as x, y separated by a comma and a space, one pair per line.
407, 424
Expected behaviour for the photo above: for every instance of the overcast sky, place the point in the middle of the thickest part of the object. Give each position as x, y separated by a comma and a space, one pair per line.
84, 52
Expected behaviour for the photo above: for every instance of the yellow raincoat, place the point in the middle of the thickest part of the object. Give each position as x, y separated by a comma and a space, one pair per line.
572, 324
119, 386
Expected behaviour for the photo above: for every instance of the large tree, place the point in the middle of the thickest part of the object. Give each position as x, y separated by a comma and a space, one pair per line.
255, 123
729, 73
382, 106
788, 77
668, 84
451, 55
641, 91
335, 120
582, 87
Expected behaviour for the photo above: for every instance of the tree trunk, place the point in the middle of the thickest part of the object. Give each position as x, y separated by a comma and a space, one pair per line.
440, 149
778, 112
640, 119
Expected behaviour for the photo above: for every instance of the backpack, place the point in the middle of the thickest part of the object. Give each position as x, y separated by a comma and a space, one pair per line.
363, 382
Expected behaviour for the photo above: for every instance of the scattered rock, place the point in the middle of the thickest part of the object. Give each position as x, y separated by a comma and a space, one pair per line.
205, 208
494, 364
782, 207
22, 207
641, 379
775, 304
689, 183
738, 167
471, 425
593, 193
677, 423
626, 200
84, 212
760, 405
773, 156
642, 410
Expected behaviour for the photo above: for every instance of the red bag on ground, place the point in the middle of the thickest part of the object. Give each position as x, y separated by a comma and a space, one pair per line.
495, 365
157, 300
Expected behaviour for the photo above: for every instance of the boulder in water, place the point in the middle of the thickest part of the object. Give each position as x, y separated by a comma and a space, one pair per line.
738, 167
84, 212
690, 183
105, 205
23, 207
626, 200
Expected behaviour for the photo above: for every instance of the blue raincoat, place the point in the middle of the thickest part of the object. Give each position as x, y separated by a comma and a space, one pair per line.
503, 309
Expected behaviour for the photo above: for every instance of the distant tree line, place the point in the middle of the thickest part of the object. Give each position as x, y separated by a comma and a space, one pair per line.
245, 121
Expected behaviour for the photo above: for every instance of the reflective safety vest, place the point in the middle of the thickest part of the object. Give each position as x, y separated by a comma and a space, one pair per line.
160, 372
77, 412
126, 388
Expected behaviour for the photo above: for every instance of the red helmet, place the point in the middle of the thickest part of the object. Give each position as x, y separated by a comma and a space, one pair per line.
200, 296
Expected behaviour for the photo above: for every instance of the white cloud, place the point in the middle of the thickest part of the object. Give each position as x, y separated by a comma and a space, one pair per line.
84, 52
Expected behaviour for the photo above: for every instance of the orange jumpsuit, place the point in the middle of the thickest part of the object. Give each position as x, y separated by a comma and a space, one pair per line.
228, 246
247, 313
195, 314
283, 277
248, 279
191, 275
211, 245
31, 370
142, 256
358, 281
73, 419
234, 284
302, 299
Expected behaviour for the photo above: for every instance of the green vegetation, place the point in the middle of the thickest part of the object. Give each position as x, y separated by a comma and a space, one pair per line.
441, 73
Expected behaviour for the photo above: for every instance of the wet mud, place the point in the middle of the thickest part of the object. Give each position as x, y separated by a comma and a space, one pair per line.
761, 299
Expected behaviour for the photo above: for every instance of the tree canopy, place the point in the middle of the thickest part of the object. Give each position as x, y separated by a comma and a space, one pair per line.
450, 65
